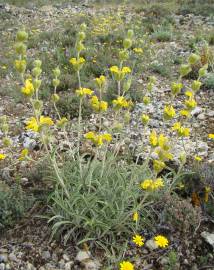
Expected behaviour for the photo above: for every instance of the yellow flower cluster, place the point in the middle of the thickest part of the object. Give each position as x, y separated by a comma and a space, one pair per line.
211, 136
82, 92
121, 102
181, 131
149, 184
28, 88
20, 65
35, 125
118, 73
169, 112
100, 81
98, 106
77, 63
98, 139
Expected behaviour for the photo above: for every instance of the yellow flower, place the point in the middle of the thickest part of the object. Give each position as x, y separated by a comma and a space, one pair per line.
20, 65
163, 142
82, 92
169, 112
161, 241
100, 81
125, 265
45, 121
211, 136
98, 139
164, 155
149, 184
190, 103
146, 184
120, 102
181, 131
189, 94
138, 50
126, 70
119, 73
176, 88
2, 156
23, 154
145, 119
138, 240
197, 158
32, 124
77, 63
146, 100
135, 216
185, 113
98, 106
62, 122
28, 88
158, 165
158, 183
153, 139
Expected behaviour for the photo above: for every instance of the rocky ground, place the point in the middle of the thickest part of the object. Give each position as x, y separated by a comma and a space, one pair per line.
28, 245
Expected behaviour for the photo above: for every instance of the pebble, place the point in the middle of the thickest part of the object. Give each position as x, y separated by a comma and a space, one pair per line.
68, 265
2, 266
12, 257
151, 245
46, 255
83, 255
3, 258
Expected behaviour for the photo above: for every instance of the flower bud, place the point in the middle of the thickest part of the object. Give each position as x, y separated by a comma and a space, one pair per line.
56, 72
196, 85
79, 46
130, 33
123, 55
81, 36
184, 70
202, 71
193, 58
149, 86
37, 83
37, 104
83, 27
152, 79
55, 98
20, 65
145, 119
146, 100
55, 82
127, 43
6, 141
62, 122
37, 63
5, 127
20, 48
176, 88
36, 71
21, 36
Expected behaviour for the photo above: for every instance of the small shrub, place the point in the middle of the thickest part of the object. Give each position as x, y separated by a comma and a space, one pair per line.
162, 35
102, 202
209, 81
13, 204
